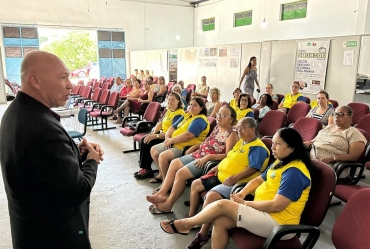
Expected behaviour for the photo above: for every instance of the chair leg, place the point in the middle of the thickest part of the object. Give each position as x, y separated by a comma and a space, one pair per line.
104, 124
134, 150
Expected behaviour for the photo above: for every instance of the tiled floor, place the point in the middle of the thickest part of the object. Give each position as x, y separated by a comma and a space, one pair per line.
119, 216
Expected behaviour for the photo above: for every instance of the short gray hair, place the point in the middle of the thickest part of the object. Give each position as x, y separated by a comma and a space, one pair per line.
251, 122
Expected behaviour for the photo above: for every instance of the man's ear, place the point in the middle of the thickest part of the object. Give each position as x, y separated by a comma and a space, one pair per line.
34, 81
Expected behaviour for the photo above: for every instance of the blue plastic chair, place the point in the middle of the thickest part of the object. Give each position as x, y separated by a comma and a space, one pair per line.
82, 118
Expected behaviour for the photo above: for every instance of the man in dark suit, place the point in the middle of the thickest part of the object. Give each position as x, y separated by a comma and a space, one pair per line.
48, 179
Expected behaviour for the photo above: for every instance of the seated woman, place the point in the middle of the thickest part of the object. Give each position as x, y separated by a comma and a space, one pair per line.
215, 147
184, 92
147, 74
268, 90
234, 102
117, 86
202, 89
128, 91
189, 130
244, 107
263, 106
173, 113
214, 105
339, 141
160, 88
132, 103
322, 111
176, 89
291, 98
281, 193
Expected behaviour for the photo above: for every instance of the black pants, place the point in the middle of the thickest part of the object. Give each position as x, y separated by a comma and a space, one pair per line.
145, 157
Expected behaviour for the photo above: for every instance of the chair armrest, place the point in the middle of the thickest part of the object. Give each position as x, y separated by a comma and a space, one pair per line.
104, 108
143, 124
354, 174
209, 165
88, 102
129, 118
266, 137
79, 100
279, 231
237, 187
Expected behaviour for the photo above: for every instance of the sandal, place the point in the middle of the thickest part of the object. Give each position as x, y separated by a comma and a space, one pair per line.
156, 180
173, 227
114, 117
155, 210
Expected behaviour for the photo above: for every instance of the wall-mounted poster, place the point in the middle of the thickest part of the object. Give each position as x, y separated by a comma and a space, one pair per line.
190, 55
222, 52
235, 51
311, 63
213, 51
234, 62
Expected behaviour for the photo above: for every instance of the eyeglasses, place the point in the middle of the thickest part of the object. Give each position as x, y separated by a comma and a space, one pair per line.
340, 114
241, 127
222, 116
176, 90
244, 100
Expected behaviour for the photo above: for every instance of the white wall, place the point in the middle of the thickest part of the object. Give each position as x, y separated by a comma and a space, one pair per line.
324, 19
146, 26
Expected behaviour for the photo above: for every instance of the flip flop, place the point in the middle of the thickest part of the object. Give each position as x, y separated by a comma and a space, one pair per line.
156, 180
156, 190
174, 229
155, 210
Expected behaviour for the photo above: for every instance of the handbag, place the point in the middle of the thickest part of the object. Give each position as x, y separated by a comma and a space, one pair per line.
142, 128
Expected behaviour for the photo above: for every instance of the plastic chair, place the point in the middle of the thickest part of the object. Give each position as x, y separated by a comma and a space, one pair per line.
271, 122
82, 118
150, 118
323, 180
105, 112
193, 87
364, 123
280, 97
334, 103
307, 128
212, 124
274, 105
359, 110
169, 86
298, 110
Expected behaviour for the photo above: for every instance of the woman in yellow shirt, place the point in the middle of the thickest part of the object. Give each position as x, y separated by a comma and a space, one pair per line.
281, 193
174, 111
235, 100
291, 98
244, 107
188, 130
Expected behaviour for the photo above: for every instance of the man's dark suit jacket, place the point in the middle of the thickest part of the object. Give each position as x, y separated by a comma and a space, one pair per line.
47, 186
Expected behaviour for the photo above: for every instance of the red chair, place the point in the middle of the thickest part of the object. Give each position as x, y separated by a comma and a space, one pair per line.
280, 97
96, 85
271, 122
75, 90
192, 87
307, 128
297, 111
86, 94
323, 180
188, 97
274, 105
256, 113
81, 91
105, 112
351, 228
155, 78
334, 103
103, 100
106, 85
94, 98
359, 110
144, 126
212, 124
169, 86
89, 83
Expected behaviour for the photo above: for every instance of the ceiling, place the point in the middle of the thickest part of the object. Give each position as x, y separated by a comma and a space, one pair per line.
170, 2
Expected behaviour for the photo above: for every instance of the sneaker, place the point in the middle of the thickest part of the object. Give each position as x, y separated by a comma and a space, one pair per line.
198, 242
143, 174
138, 172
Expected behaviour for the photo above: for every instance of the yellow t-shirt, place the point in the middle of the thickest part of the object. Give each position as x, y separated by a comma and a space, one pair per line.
168, 118
243, 113
277, 183
183, 127
290, 100
253, 154
233, 104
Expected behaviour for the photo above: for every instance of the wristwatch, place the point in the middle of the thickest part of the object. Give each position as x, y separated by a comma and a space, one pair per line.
157, 135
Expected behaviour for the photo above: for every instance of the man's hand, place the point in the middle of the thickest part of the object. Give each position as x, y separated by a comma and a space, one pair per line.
83, 147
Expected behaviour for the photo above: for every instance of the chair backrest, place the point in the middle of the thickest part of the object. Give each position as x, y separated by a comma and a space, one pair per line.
364, 123
80, 82
323, 181
271, 122
88, 92
359, 110
307, 127
268, 142
308, 101
274, 105
152, 112
82, 118
96, 84
253, 100
192, 87
334, 103
351, 229
280, 97
188, 97
113, 99
256, 113
212, 124
297, 111
155, 78
89, 83
106, 85
104, 97
82, 90
96, 94
102, 80
75, 89
169, 86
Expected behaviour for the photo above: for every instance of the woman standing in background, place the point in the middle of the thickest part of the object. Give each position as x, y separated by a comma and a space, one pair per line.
249, 77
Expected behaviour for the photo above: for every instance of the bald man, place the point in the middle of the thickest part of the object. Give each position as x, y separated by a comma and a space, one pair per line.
47, 178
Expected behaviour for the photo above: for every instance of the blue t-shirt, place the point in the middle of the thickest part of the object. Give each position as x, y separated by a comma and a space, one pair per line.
250, 114
184, 93
256, 157
196, 127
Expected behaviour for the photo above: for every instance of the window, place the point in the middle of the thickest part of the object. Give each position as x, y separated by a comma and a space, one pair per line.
243, 18
294, 10
208, 24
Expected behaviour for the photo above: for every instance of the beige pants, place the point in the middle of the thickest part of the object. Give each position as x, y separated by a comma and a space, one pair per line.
257, 222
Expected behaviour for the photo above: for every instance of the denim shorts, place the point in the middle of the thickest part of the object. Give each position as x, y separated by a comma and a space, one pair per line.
189, 162
160, 148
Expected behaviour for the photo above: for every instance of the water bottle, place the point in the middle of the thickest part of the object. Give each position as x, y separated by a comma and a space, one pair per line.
71, 104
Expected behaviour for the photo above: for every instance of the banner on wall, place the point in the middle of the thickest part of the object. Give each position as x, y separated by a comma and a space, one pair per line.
311, 63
